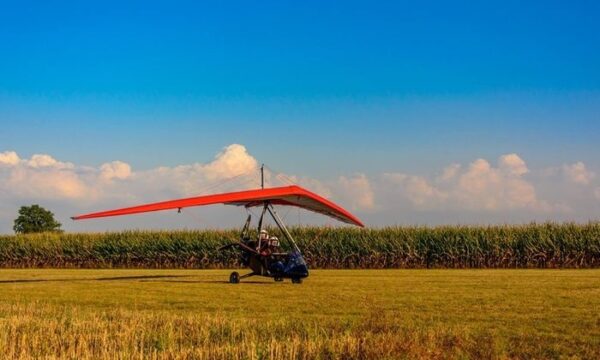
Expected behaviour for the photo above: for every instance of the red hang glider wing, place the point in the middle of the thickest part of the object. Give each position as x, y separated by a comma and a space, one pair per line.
287, 195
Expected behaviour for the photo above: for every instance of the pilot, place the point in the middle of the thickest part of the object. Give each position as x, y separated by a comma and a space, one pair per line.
264, 243
264, 235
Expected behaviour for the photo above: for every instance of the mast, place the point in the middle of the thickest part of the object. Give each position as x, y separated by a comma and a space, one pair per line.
262, 176
262, 215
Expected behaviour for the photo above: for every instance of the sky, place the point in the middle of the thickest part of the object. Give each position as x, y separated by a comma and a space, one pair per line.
406, 113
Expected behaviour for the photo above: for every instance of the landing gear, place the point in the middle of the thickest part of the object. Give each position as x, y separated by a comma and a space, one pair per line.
234, 278
296, 281
278, 279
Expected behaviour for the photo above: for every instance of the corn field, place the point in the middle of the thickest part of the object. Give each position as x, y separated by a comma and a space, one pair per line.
548, 245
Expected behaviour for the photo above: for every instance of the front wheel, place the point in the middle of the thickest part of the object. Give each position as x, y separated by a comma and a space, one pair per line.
234, 278
296, 281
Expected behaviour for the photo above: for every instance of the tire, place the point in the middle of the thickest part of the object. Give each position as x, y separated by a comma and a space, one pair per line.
234, 278
296, 281
278, 279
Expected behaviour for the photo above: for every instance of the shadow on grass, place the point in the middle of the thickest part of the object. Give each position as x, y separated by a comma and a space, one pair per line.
212, 282
140, 278
113, 278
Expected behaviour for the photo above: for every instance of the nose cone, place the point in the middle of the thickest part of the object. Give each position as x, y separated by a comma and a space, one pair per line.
296, 266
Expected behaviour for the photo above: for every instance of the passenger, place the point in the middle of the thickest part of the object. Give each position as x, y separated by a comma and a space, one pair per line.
274, 244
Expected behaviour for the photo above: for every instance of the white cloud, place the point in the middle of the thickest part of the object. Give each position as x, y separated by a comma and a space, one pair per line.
234, 160
47, 161
41, 176
418, 189
485, 187
47, 183
578, 173
44, 177
9, 158
479, 187
115, 170
41, 160
513, 164
449, 172
357, 192
76, 188
187, 180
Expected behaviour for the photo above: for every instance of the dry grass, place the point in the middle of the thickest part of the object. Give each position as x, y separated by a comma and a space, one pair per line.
191, 314
78, 335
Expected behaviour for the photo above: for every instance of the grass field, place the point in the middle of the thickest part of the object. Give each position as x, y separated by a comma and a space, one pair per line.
333, 314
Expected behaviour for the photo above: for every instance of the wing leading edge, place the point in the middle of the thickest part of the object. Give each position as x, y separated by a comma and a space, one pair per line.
287, 195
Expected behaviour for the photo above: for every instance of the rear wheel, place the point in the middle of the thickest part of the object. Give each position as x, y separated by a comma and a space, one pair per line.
234, 278
296, 281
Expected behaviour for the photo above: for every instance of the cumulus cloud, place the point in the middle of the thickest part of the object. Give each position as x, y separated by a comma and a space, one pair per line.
42, 160
480, 186
9, 158
513, 164
74, 188
578, 173
357, 192
43, 177
418, 189
115, 170
449, 172
234, 160
483, 186
47, 184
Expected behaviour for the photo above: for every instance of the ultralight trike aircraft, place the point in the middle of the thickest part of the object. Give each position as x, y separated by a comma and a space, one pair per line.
261, 253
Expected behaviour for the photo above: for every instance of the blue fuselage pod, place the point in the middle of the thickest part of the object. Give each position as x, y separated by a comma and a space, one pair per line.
296, 266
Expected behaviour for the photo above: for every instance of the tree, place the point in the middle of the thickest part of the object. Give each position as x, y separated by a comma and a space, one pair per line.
35, 219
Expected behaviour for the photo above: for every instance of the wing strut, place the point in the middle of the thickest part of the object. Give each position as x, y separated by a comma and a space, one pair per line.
282, 227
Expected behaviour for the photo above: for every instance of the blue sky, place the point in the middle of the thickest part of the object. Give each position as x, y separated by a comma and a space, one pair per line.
314, 89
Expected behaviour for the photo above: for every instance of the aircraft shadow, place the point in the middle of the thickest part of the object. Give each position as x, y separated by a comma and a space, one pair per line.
140, 277
17, 281
113, 278
211, 282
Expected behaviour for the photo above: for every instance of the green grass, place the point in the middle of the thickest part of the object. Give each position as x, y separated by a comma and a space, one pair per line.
333, 314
